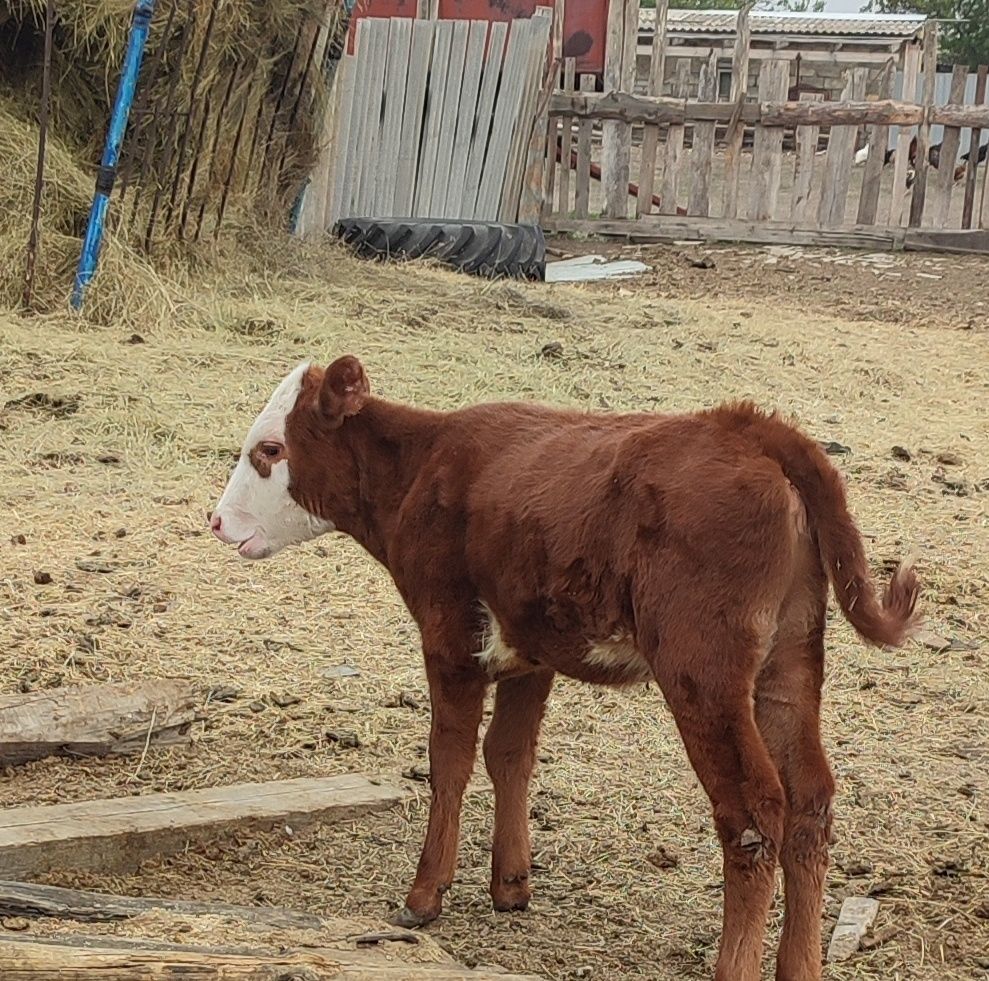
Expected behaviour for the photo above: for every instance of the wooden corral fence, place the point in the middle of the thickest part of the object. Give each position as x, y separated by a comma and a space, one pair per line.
676, 166
213, 124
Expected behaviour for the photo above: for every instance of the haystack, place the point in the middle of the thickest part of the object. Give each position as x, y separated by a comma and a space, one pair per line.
228, 105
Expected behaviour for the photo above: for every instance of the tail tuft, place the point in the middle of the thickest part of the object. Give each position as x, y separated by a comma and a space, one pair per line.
900, 617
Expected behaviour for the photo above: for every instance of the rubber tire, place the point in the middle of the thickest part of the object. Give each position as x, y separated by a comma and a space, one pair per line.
483, 248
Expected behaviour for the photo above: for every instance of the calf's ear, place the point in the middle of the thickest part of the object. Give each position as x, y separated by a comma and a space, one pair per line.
345, 389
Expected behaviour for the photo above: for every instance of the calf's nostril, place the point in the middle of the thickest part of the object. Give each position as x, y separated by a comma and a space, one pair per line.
215, 521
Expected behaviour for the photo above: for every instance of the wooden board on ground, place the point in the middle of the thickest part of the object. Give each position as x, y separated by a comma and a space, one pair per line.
96, 720
118, 833
170, 940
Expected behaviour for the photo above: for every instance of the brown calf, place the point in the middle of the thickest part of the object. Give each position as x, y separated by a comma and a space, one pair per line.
695, 550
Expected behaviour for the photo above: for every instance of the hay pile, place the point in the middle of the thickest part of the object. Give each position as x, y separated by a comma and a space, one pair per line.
260, 65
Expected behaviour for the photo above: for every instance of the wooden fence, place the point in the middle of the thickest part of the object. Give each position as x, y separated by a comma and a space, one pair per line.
678, 167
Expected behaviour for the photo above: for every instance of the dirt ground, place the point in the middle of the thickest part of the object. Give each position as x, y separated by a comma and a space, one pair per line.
114, 442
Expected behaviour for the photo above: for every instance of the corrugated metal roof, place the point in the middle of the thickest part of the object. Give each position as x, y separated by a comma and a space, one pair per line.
771, 22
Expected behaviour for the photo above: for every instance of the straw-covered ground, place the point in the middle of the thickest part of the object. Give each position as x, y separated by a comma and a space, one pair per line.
115, 438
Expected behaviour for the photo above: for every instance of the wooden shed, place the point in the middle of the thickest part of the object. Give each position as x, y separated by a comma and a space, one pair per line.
820, 47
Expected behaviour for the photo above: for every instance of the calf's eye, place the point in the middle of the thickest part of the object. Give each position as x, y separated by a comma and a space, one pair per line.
271, 450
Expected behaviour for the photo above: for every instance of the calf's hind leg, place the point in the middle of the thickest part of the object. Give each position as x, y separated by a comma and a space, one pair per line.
708, 682
788, 715
510, 754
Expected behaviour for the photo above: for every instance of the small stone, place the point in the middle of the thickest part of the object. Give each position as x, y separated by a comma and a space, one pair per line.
341, 671
42, 578
417, 772
285, 699
949, 459
901, 453
704, 262
834, 448
663, 859
345, 740
18, 540
552, 351
134, 339
857, 915
120, 533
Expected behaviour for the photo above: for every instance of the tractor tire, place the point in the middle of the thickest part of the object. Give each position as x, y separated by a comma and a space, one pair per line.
489, 249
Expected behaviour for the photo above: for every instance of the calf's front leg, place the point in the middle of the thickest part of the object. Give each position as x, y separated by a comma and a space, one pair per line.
457, 694
510, 754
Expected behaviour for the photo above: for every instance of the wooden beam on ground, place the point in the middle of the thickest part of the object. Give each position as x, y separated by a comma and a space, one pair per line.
118, 833
656, 228
30, 900
96, 720
111, 958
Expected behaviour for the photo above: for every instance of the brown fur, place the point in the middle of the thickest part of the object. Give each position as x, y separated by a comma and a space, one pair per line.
702, 544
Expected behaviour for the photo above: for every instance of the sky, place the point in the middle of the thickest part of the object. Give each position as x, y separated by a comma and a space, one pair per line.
843, 6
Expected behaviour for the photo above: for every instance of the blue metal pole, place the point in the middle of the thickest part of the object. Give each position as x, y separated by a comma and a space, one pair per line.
140, 26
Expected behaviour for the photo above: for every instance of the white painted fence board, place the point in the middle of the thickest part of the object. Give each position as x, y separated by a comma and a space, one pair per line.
439, 69
448, 123
412, 113
399, 47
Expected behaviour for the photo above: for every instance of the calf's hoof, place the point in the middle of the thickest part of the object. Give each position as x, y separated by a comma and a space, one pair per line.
511, 895
409, 919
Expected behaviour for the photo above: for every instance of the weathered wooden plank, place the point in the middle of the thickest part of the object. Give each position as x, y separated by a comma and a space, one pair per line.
702, 148
883, 112
350, 110
876, 140
767, 153
901, 160
736, 128
371, 130
506, 110
972, 168
325, 209
650, 136
662, 228
397, 73
523, 127
484, 117
961, 115
566, 139
412, 112
117, 834
113, 958
28, 899
857, 914
582, 175
950, 141
615, 134
658, 110
675, 157
439, 69
448, 124
531, 201
804, 188
96, 720
960, 241
473, 64
837, 173
922, 164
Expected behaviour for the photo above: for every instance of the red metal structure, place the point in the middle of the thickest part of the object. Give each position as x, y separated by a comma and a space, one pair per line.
584, 22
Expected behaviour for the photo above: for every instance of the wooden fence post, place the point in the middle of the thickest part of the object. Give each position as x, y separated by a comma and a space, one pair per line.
803, 186
767, 154
901, 162
922, 164
968, 207
736, 129
702, 147
650, 134
838, 163
950, 142
619, 72
876, 141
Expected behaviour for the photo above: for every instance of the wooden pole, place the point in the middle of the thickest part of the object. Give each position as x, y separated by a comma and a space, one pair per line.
736, 130
968, 207
922, 164
39, 177
650, 136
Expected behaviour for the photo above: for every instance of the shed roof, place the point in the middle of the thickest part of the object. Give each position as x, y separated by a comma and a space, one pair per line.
772, 22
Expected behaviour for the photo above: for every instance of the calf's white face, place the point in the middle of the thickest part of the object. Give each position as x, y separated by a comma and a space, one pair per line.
256, 512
